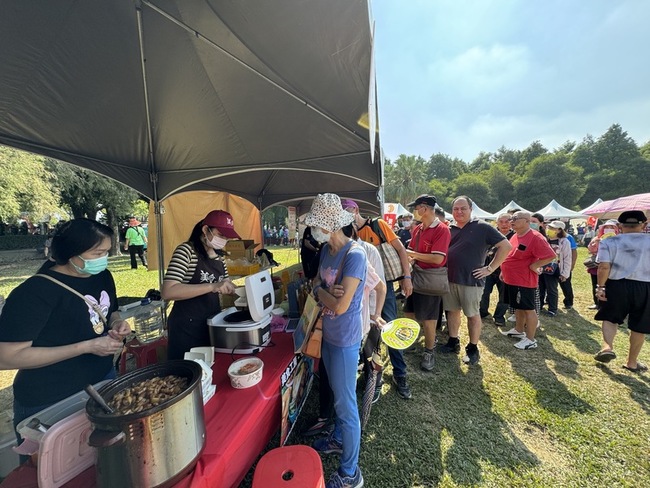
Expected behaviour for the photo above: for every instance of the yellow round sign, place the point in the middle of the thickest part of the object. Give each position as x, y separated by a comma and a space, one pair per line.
400, 333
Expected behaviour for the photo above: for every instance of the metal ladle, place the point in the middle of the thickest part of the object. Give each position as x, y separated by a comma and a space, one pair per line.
94, 394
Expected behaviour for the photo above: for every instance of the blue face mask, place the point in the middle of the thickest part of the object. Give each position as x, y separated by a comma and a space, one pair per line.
92, 266
534, 225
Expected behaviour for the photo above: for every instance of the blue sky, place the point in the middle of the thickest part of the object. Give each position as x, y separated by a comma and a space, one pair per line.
459, 77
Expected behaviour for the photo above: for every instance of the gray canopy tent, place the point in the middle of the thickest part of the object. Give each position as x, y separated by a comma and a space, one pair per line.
271, 101
267, 100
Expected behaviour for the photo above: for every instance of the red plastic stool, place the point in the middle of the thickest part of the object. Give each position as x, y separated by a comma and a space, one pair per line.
144, 354
289, 467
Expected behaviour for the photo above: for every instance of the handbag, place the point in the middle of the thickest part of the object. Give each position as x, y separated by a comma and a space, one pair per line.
551, 268
590, 262
429, 281
389, 256
314, 333
98, 328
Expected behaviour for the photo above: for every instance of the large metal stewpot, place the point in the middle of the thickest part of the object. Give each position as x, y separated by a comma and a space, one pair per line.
153, 448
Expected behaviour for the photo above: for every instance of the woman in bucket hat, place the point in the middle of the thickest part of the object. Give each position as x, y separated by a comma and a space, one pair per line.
338, 288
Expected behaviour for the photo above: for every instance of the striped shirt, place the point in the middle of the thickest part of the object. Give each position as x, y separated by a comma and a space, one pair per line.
183, 264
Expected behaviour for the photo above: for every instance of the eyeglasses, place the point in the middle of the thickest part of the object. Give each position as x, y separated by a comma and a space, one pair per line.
512, 219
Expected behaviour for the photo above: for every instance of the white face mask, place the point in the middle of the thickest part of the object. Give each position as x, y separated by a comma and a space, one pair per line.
318, 234
217, 242
406, 223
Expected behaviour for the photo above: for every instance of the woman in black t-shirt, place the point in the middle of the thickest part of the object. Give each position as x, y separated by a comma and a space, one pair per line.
58, 341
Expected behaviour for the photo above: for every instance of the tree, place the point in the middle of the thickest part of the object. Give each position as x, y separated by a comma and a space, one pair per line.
443, 167
481, 162
614, 148
405, 179
548, 177
475, 187
87, 193
500, 180
25, 186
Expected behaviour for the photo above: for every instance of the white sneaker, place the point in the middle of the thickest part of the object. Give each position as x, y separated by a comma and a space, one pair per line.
513, 333
526, 343
512, 318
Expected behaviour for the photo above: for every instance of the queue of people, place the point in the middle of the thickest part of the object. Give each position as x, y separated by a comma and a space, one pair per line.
69, 338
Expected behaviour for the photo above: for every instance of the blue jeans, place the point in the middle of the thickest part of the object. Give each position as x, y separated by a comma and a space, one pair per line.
388, 313
341, 364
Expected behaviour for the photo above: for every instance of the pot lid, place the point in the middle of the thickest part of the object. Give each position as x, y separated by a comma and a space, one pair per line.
260, 295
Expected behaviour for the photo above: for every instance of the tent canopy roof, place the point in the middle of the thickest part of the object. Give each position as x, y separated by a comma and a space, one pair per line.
272, 101
511, 206
556, 211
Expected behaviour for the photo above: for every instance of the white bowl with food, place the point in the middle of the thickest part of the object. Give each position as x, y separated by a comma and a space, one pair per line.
245, 372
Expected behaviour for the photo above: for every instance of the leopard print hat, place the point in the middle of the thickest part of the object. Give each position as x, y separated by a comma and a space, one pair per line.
326, 213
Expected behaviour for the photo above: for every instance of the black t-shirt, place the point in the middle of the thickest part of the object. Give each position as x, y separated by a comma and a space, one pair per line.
48, 315
468, 249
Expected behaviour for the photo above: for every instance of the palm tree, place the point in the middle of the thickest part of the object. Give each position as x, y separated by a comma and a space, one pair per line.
405, 179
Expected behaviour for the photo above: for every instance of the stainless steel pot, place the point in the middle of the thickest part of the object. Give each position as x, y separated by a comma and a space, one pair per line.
153, 448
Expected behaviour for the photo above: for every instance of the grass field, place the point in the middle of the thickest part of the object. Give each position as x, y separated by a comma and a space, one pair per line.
546, 417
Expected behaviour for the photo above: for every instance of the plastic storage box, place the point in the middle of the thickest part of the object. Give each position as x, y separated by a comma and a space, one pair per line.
8, 458
63, 450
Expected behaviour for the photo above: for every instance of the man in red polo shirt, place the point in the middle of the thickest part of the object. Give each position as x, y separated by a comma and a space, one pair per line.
428, 249
519, 271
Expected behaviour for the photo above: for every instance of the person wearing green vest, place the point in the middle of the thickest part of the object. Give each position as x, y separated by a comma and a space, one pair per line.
135, 241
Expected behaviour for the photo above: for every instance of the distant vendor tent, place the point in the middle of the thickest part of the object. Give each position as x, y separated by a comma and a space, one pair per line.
556, 211
587, 209
510, 207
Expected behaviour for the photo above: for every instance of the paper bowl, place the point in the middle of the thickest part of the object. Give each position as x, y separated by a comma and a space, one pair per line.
245, 372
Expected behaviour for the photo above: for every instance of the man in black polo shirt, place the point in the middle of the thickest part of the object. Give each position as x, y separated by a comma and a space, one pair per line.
470, 242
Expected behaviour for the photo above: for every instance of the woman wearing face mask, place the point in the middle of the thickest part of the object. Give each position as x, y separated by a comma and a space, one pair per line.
338, 288
57, 340
195, 278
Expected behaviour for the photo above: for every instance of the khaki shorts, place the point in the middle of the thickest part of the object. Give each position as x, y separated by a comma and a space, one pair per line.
465, 298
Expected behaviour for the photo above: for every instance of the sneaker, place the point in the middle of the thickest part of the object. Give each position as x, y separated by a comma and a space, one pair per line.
377, 394
513, 333
449, 348
471, 357
500, 322
339, 481
549, 313
568, 307
592, 307
526, 343
328, 445
403, 389
321, 426
428, 361
512, 318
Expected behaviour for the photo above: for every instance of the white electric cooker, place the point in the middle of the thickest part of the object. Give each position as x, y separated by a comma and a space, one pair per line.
246, 331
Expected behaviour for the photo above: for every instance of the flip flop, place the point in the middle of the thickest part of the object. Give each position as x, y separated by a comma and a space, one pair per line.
640, 367
605, 356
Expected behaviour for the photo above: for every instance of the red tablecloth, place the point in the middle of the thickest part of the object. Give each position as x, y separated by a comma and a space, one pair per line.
239, 425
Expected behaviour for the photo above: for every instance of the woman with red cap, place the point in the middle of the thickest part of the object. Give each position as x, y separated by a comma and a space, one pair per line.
195, 278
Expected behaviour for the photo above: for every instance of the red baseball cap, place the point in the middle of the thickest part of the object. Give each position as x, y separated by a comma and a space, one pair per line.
223, 222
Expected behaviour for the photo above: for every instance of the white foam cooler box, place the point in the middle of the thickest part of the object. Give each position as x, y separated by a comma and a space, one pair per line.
8, 458
59, 434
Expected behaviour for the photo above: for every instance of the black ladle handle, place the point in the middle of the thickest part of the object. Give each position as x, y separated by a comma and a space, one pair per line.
94, 394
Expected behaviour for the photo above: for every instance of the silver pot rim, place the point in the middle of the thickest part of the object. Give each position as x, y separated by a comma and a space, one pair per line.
181, 367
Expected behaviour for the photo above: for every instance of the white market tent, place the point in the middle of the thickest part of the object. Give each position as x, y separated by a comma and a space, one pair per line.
479, 213
587, 209
511, 206
556, 211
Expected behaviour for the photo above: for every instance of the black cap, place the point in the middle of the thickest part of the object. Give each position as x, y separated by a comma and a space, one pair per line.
429, 200
632, 217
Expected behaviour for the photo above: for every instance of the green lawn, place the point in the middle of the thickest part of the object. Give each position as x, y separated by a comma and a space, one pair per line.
545, 417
